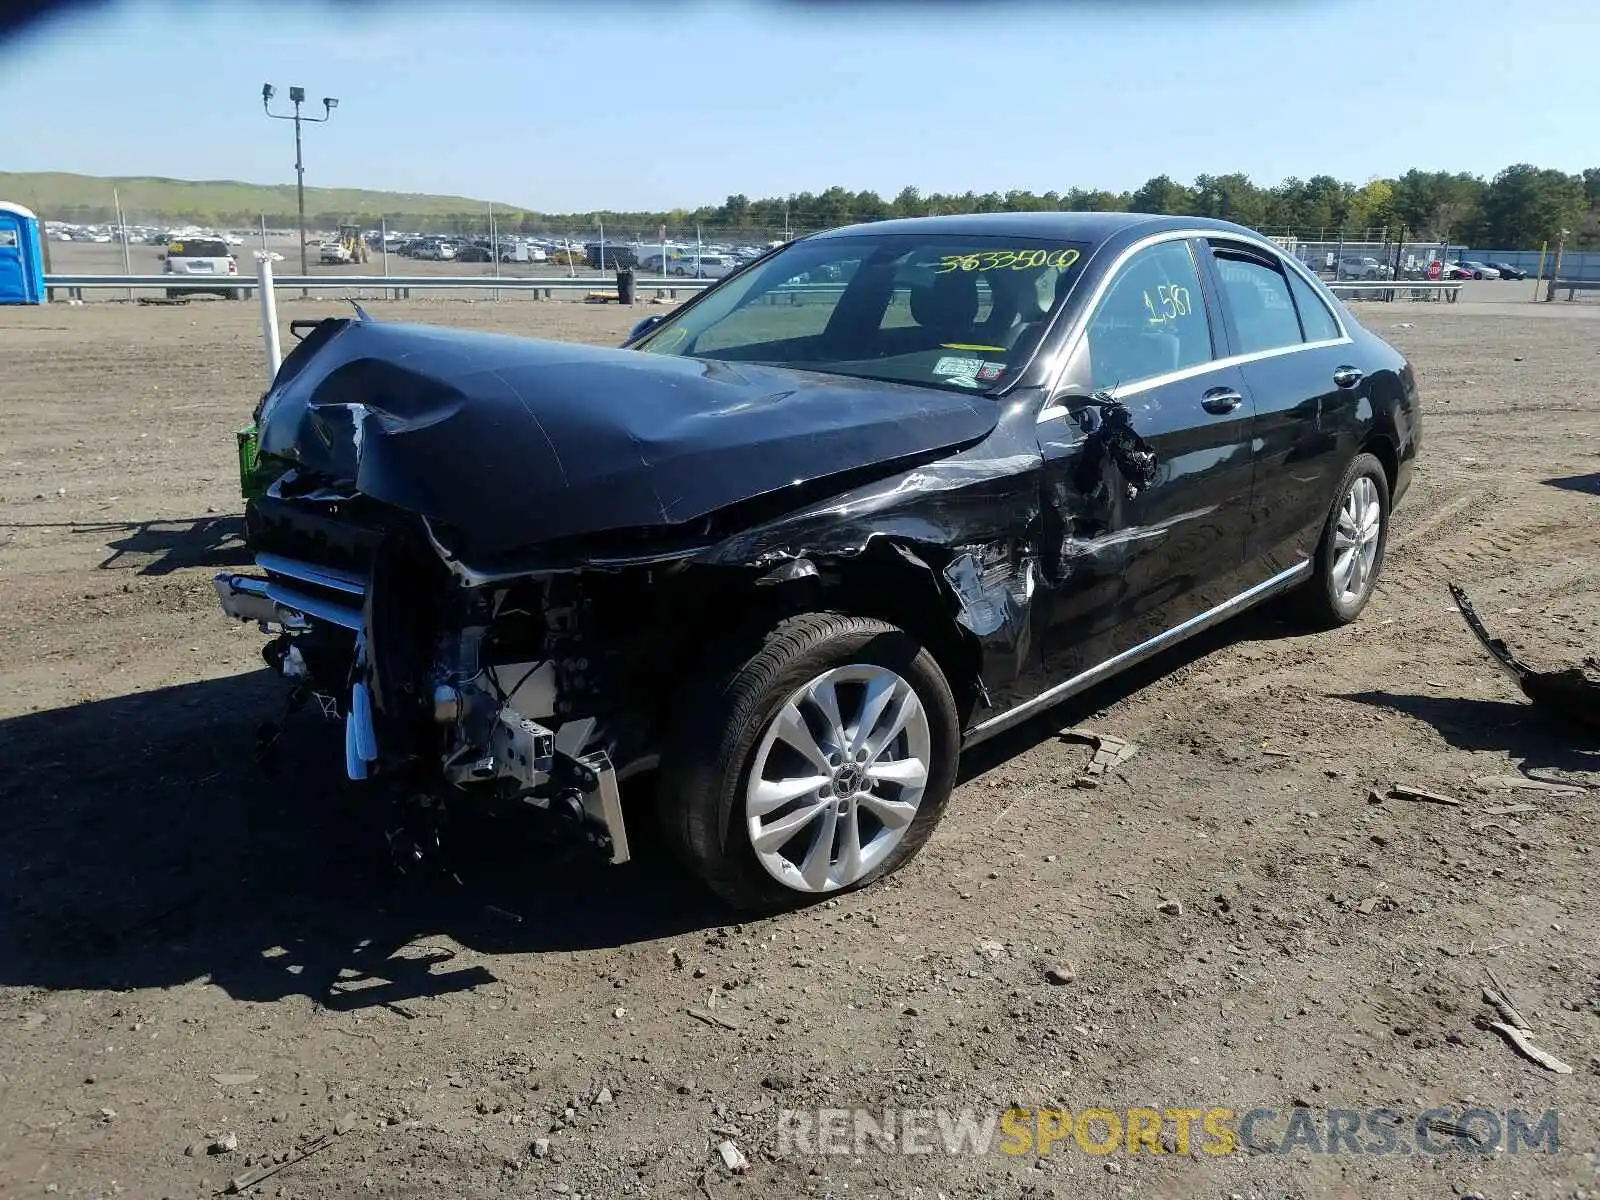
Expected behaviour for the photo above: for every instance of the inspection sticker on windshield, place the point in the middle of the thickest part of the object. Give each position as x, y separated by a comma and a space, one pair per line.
951, 365
991, 371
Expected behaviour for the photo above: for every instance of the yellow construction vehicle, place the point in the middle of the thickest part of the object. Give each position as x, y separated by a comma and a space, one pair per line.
355, 246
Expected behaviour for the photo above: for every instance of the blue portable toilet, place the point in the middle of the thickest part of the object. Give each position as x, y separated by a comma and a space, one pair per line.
21, 262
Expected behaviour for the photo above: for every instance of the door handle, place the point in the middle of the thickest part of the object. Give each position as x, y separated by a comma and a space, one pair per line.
1221, 400
1347, 377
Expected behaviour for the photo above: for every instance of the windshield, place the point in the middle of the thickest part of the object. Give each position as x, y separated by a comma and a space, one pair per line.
937, 310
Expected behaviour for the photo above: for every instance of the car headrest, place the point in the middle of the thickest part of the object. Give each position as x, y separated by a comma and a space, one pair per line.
948, 305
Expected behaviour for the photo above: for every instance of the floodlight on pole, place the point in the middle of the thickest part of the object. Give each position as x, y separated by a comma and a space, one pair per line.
297, 97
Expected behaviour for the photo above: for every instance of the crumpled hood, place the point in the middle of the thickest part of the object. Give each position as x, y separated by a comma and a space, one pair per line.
515, 441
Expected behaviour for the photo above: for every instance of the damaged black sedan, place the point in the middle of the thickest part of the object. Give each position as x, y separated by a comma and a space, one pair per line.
875, 497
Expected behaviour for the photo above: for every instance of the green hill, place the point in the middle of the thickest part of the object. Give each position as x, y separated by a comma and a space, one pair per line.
60, 196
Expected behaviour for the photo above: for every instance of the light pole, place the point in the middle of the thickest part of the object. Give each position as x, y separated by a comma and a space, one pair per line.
1555, 267
297, 97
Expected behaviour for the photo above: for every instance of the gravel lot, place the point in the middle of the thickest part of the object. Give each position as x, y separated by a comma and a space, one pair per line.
192, 949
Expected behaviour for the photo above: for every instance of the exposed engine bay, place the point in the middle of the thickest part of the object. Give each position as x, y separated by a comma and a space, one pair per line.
488, 685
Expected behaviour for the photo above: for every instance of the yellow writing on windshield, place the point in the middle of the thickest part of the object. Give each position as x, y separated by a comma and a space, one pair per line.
1006, 260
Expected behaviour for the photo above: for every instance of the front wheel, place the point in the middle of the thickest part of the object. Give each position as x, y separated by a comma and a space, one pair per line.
817, 764
1350, 554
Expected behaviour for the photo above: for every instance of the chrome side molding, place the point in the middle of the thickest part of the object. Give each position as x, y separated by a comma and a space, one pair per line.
1085, 679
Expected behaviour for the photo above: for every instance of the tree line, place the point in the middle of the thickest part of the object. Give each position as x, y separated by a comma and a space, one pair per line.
1518, 208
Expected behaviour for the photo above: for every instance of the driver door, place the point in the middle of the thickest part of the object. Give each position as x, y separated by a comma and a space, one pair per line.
1147, 449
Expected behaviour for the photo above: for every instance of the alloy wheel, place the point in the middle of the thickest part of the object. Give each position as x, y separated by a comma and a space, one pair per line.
837, 777
1355, 540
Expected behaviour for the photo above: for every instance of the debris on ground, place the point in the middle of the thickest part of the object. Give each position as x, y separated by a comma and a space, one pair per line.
733, 1158
1519, 1040
226, 1144
243, 1183
1510, 810
1507, 1010
1109, 752
1404, 791
1528, 783
1573, 692
234, 1078
1514, 1027
710, 1018
1510, 827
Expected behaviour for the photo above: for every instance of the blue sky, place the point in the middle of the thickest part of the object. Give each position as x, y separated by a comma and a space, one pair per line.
516, 102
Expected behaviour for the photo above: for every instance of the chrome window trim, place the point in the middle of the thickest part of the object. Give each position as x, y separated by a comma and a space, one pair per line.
1127, 658
1079, 331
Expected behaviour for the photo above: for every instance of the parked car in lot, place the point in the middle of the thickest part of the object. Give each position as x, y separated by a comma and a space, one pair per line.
472, 252
1477, 270
793, 558
1362, 267
1507, 271
193, 260
710, 266
1455, 270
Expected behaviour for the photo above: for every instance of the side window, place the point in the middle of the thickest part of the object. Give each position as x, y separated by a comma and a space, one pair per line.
1151, 321
1315, 318
1258, 297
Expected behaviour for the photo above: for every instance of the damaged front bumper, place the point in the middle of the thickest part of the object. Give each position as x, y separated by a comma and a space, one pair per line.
319, 615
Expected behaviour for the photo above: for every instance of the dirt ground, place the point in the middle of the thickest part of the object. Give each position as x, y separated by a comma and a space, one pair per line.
195, 954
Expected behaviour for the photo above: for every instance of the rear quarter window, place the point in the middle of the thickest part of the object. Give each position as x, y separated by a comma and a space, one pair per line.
1319, 323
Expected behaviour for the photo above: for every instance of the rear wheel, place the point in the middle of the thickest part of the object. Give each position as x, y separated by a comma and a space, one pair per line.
817, 764
1350, 554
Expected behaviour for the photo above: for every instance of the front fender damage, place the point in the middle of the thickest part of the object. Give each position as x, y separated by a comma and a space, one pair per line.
549, 676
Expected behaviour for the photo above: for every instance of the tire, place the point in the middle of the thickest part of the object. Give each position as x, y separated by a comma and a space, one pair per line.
1326, 601
729, 731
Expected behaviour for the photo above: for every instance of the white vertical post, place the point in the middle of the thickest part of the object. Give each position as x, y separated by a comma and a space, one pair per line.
122, 235
263, 231
697, 251
269, 312
494, 246
383, 242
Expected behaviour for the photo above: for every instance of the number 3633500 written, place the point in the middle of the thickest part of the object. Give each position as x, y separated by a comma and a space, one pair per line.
1006, 260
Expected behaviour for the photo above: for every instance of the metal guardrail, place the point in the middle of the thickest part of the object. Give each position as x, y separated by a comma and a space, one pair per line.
1442, 291
525, 283
511, 283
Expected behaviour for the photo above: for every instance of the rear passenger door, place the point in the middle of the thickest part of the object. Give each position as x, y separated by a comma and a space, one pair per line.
1295, 356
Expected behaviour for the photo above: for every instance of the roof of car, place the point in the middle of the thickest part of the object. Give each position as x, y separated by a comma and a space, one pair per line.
1094, 227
